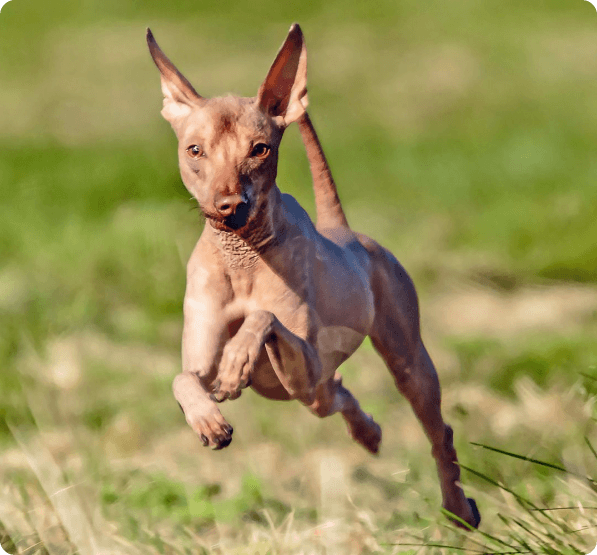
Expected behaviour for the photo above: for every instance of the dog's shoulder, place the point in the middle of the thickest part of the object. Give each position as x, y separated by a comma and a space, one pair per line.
294, 208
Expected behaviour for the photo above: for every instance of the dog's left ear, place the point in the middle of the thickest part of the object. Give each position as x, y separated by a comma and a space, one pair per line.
283, 94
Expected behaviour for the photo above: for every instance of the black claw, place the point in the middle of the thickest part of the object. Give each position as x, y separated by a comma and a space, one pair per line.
213, 398
204, 440
229, 429
216, 385
476, 513
224, 443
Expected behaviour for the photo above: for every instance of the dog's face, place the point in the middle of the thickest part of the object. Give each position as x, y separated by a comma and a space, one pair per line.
228, 146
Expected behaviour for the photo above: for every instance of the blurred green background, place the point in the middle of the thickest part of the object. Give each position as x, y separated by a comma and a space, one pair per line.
462, 136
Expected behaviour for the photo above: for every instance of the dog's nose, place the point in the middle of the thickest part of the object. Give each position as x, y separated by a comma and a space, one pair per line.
229, 204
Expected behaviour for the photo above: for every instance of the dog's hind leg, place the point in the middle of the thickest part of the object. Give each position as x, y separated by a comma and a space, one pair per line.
419, 383
332, 397
395, 335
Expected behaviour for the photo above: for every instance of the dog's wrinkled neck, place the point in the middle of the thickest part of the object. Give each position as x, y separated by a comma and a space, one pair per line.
237, 252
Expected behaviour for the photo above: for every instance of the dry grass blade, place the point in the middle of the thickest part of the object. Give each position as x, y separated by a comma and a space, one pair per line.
68, 507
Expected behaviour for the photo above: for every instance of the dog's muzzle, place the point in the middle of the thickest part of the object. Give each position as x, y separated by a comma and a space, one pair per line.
233, 210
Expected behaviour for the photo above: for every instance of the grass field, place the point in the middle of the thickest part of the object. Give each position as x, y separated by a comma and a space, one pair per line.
462, 136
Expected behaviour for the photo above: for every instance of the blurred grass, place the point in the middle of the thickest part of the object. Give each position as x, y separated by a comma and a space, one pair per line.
462, 136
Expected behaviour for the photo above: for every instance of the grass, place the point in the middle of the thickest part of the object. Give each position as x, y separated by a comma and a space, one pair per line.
462, 137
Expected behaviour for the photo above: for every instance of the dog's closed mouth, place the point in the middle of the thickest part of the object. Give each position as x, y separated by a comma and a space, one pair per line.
239, 218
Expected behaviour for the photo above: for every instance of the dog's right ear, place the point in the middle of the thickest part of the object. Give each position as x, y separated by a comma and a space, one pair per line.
179, 95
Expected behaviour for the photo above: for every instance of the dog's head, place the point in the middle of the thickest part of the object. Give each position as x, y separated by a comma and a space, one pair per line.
228, 146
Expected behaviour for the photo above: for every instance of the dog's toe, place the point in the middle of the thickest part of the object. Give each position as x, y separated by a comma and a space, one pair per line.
221, 443
223, 390
223, 439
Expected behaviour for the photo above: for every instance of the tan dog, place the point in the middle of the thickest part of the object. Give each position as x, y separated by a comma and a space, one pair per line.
272, 301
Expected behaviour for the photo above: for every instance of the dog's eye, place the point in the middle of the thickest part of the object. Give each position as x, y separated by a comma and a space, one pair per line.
195, 151
260, 150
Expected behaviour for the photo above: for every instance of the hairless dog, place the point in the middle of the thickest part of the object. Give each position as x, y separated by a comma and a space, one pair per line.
274, 302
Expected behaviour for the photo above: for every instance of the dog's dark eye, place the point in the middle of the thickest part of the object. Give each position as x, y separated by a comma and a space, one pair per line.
195, 151
260, 150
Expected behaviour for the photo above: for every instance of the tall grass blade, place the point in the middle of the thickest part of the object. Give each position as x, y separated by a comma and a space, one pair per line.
525, 503
535, 461
452, 516
592, 449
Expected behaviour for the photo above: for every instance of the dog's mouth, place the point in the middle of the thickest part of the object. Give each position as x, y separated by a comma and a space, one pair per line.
235, 221
239, 218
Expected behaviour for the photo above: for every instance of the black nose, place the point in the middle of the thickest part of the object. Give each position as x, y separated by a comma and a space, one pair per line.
228, 205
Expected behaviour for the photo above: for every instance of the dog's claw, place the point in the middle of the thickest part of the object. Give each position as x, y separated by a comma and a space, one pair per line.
476, 513
220, 443
204, 440
476, 520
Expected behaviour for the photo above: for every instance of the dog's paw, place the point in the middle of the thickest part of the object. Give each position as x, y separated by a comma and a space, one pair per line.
237, 364
470, 514
367, 433
210, 426
224, 388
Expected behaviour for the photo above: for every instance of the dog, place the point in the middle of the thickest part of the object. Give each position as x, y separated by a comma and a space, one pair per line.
274, 302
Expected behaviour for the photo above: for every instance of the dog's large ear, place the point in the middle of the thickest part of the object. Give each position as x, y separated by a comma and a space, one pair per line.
284, 92
179, 94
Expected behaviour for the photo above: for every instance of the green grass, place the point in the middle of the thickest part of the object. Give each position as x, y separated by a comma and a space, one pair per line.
462, 136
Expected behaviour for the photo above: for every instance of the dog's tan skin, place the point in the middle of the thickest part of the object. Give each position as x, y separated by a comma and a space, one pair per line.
274, 302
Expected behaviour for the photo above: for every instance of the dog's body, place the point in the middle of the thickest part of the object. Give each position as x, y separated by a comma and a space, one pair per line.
274, 302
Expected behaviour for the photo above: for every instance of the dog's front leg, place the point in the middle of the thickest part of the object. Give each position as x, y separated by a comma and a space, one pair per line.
201, 413
293, 359
203, 338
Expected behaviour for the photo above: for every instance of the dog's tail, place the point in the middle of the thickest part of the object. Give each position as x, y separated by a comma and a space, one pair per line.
327, 202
